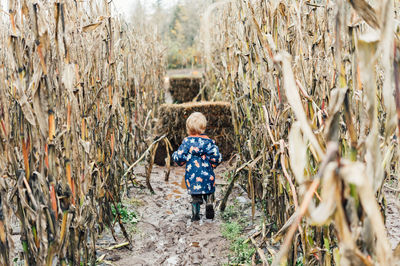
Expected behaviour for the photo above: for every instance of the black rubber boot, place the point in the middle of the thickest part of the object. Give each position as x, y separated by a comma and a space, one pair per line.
210, 207
195, 212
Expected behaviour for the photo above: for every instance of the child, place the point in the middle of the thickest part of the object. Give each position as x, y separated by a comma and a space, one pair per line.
201, 156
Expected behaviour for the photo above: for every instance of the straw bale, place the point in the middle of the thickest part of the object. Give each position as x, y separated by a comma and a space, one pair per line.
172, 121
184, 89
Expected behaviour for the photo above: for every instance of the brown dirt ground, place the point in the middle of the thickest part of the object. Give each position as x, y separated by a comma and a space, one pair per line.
392, 218
164, 234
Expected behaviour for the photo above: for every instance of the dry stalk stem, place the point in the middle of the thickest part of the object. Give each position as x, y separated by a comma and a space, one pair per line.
334, 61
78, 96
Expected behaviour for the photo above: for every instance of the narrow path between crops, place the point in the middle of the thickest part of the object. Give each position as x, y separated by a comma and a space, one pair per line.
164, 234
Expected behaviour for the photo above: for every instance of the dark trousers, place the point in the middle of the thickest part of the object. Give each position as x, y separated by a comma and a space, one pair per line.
199, 198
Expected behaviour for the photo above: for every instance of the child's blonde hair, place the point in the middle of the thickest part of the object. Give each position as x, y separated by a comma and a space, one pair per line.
196, 124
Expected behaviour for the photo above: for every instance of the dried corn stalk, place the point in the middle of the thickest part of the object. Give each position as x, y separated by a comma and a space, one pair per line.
79, 90
311, 85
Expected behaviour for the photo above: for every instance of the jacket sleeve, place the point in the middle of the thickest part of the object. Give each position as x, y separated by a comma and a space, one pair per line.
213, 155
180, 156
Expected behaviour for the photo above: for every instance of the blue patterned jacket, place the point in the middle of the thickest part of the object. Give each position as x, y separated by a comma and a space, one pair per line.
201, 156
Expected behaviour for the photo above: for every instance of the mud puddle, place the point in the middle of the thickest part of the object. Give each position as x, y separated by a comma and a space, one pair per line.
180, 189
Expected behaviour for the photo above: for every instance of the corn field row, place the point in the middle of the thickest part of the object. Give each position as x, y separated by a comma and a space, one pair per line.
79, 92
314, 87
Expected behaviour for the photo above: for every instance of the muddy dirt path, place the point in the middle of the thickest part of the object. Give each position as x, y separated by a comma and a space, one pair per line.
392, 218
164, 234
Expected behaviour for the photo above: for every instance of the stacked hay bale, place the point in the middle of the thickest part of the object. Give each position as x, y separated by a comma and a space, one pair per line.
173, 123
184, 88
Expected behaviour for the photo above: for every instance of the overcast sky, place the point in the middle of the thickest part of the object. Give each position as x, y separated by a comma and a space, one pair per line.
126, 7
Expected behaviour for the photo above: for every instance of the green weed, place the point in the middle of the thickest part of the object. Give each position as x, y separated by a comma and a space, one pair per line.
231, 212
18, 262
299, 261
232, 229
242, 251
127, 216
